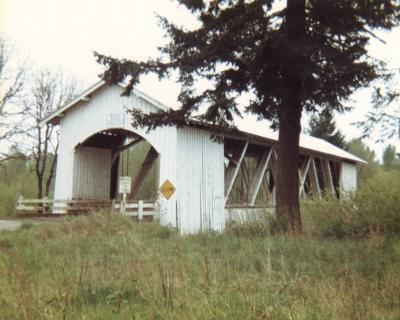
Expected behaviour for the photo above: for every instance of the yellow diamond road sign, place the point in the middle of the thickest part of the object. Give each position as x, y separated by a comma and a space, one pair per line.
167, 189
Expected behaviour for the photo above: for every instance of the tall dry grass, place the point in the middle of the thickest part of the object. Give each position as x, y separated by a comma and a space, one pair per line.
109, 267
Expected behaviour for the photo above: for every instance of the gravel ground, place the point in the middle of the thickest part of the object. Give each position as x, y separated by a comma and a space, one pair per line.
13, 224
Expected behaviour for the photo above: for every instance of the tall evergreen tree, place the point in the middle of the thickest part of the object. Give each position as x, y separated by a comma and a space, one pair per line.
390, 158
310, 53
322, 125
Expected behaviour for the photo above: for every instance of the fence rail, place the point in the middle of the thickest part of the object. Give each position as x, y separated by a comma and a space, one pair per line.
44, 207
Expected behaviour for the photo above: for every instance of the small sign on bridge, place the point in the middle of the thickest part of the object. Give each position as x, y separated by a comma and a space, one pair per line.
167, 189
124, 184
115, 120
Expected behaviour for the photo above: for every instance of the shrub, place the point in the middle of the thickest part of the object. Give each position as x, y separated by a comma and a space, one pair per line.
17, 178
255, 228
259, 225
373, 209
378, 202
10, 193
330, 217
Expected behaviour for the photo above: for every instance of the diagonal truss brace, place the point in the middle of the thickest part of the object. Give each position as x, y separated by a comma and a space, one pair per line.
151, 156
233, 169
314, 178
259, 176
327, 174
303, 175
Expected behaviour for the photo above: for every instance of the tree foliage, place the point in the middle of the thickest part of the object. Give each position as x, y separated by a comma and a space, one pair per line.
307, 55
322, 125
16, 178
365, 171
242, 46
390, 158
383, 121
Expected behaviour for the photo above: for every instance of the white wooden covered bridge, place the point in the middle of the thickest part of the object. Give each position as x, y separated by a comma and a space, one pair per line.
210, 179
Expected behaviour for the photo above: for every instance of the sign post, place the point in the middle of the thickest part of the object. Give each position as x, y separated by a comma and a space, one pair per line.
124, 187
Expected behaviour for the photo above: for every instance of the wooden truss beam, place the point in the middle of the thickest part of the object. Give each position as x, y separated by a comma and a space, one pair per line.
266, 181
233, 168
151, 156
314, 178
259, 176
119, 149
327, 174
266, 170
128, 145
245, 174
303, 174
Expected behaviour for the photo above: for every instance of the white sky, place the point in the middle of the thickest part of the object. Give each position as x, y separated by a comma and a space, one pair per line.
64, 34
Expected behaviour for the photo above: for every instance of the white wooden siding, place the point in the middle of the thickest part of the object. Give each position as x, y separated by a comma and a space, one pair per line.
348, 177
200, 183
247, 214
92, 171
88, 118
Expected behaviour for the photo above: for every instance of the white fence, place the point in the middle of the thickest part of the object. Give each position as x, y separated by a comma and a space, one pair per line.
137, 209
46, 207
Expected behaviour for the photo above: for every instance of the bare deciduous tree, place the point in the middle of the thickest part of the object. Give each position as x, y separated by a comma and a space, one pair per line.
12, 80
48, 92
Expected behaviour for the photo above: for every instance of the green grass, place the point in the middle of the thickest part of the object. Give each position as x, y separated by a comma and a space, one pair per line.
109, 267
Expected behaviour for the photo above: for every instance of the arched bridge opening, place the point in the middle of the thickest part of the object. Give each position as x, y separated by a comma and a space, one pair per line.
101, 159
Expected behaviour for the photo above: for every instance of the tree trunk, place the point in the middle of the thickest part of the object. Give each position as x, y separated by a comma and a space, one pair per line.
40, 187
289, 115
52, 170
287, 184
51, 175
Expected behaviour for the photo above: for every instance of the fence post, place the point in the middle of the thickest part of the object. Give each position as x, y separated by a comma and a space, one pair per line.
19, 200
140, 210
122, 206
45, 204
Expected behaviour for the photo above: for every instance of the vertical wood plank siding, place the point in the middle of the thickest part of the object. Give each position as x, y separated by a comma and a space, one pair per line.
92, 172
200, 181
348, 177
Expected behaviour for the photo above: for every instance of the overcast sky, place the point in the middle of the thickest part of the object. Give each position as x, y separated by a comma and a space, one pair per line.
64, 33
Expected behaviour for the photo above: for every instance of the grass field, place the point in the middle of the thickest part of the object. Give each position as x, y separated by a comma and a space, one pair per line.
104, 267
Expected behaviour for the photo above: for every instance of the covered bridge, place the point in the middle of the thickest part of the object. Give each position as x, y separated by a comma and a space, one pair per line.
207, 180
